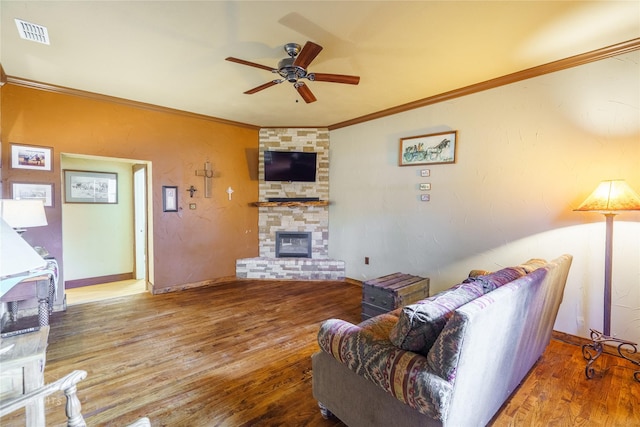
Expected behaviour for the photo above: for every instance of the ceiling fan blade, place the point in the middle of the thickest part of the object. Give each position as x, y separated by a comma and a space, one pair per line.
251, 64
305, 92
262, 87
334, 78
307, 54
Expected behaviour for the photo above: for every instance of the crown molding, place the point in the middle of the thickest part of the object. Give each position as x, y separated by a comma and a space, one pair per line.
551, 67
115, 100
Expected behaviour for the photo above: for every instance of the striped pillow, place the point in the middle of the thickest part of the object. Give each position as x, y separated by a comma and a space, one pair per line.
420, 324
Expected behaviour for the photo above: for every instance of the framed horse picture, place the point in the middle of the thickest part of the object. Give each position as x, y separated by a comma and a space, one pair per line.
432, 149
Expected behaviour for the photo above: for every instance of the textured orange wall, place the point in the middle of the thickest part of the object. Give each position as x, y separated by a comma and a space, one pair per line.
190, 246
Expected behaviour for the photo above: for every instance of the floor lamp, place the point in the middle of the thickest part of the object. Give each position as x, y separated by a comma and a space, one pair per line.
609, 198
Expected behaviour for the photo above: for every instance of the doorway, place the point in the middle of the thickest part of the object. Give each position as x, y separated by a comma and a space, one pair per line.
106, 246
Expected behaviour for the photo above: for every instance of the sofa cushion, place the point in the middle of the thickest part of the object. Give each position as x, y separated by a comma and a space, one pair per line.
420, 324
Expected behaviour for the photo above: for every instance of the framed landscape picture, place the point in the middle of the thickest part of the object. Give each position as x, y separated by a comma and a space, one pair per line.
90, 187
432, 149
33, 191
31, 157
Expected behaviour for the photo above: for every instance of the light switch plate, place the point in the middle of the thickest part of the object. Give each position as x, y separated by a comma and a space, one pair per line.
192, 206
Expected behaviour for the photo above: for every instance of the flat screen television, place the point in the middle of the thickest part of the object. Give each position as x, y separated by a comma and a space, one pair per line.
290, 166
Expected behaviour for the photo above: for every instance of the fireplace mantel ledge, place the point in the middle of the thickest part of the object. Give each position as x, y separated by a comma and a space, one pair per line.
293, 204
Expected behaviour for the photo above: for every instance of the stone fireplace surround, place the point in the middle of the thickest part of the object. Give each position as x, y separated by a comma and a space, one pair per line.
294, 216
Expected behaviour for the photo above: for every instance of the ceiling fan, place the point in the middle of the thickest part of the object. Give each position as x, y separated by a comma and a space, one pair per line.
294, 69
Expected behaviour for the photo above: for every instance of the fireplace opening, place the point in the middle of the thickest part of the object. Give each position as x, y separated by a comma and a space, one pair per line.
293, 245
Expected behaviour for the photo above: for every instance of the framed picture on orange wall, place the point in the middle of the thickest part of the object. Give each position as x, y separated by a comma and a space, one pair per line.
33, 190
31, 157
169, 198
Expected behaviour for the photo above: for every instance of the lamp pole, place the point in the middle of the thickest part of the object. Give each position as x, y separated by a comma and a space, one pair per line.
608, 264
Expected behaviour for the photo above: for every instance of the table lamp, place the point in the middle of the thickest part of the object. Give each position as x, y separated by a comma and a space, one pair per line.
16, 256
609, 198
23, 214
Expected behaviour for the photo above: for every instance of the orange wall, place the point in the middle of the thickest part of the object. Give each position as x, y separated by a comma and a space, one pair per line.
190, 246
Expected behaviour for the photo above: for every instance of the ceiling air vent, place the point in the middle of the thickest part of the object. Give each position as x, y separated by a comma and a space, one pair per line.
33, 32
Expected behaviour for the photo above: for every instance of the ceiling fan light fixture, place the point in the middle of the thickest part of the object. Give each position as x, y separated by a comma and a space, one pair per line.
294, 69
292, 77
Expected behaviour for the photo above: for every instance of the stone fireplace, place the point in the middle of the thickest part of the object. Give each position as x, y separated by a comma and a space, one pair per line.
302, 208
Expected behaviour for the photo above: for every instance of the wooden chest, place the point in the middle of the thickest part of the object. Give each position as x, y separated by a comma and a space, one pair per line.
389, 292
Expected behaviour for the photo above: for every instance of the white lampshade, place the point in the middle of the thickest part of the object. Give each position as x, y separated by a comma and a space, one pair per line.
16, 255
23, 213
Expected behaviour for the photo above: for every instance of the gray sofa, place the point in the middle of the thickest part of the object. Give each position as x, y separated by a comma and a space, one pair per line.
450, 360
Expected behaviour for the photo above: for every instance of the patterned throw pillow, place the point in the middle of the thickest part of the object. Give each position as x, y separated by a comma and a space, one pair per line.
533, 264
420, 324
492, 281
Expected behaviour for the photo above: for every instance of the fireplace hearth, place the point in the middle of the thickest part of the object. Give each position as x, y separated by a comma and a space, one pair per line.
293, 244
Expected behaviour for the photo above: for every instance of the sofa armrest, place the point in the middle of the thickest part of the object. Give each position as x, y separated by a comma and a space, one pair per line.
366, 350
332, 336
337, 336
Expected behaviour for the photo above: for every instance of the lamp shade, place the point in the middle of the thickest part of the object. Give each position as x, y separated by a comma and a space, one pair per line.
16, 256
611, 196
23, 213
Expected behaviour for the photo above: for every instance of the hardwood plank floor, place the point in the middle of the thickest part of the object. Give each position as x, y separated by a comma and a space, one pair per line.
238, 354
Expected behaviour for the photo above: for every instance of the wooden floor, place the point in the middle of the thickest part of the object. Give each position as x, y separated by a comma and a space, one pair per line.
238, 354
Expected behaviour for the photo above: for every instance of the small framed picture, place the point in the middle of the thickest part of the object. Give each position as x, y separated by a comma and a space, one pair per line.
430, 149
169, 198
425, 197
425, 186
33, 190
90, 187
425, 173
31, 157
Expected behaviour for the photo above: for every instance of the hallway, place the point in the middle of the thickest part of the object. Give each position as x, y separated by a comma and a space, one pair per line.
104, 291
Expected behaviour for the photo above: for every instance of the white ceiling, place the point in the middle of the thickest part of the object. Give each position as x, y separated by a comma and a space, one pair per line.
172, 53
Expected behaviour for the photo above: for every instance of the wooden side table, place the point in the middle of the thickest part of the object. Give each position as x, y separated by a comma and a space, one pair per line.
41, 284
40, 287
24, 356
389, 292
